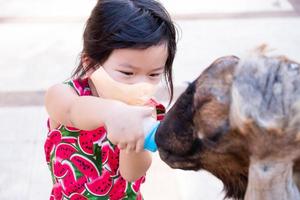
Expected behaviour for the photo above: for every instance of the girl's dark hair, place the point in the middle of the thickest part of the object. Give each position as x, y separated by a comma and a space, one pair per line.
118, 24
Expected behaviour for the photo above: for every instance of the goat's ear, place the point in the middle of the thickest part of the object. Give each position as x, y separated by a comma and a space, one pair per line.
212, 97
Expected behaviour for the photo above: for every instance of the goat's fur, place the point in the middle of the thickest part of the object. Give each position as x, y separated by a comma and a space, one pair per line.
235, 110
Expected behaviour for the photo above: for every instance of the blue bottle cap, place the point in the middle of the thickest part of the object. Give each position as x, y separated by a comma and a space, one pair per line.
149, 143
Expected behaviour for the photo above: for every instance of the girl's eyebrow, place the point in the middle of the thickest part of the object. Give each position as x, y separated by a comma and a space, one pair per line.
159, 68
128, 65
134, 67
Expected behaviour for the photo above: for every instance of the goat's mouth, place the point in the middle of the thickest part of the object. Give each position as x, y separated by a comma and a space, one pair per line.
185, 162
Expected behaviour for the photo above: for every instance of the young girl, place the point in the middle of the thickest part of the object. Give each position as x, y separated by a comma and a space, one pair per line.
94, 147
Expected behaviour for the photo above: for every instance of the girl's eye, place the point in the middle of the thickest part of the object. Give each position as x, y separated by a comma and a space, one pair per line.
126, 73
155, 75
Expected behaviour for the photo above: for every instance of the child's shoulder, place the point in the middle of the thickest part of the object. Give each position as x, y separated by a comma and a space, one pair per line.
73, 86
59, 97
81, 86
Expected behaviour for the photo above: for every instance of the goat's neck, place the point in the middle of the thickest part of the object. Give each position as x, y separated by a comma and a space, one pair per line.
269, 180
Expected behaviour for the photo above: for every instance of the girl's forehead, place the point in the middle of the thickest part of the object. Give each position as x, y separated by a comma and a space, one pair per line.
153, 57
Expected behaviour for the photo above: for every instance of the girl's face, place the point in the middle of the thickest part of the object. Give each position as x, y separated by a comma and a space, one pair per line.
132, 66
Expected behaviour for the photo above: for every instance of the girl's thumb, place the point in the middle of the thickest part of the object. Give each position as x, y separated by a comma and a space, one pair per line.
148, 111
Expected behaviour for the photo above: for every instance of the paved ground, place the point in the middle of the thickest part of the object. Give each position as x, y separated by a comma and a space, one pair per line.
40, 41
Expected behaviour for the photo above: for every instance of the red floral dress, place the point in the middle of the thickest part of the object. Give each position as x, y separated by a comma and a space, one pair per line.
85, 164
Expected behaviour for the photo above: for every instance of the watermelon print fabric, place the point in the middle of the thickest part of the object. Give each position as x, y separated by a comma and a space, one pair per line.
85, 164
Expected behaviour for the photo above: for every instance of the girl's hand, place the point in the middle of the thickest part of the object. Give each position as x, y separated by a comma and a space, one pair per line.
124, 125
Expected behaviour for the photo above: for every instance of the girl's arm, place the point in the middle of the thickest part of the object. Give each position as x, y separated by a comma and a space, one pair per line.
124, 123
134, 165
83, 112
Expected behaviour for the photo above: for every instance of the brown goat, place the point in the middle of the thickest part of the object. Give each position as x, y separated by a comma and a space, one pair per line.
239, 120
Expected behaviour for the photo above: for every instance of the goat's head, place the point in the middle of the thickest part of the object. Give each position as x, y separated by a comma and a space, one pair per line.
239, 117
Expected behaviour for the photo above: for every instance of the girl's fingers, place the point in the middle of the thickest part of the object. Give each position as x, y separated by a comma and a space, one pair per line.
139, 145
146, 110
122, 146
130, 148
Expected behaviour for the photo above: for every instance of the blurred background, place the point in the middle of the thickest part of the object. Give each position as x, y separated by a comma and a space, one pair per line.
40, 42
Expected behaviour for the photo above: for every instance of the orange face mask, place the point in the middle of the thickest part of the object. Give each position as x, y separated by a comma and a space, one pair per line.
132, 94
